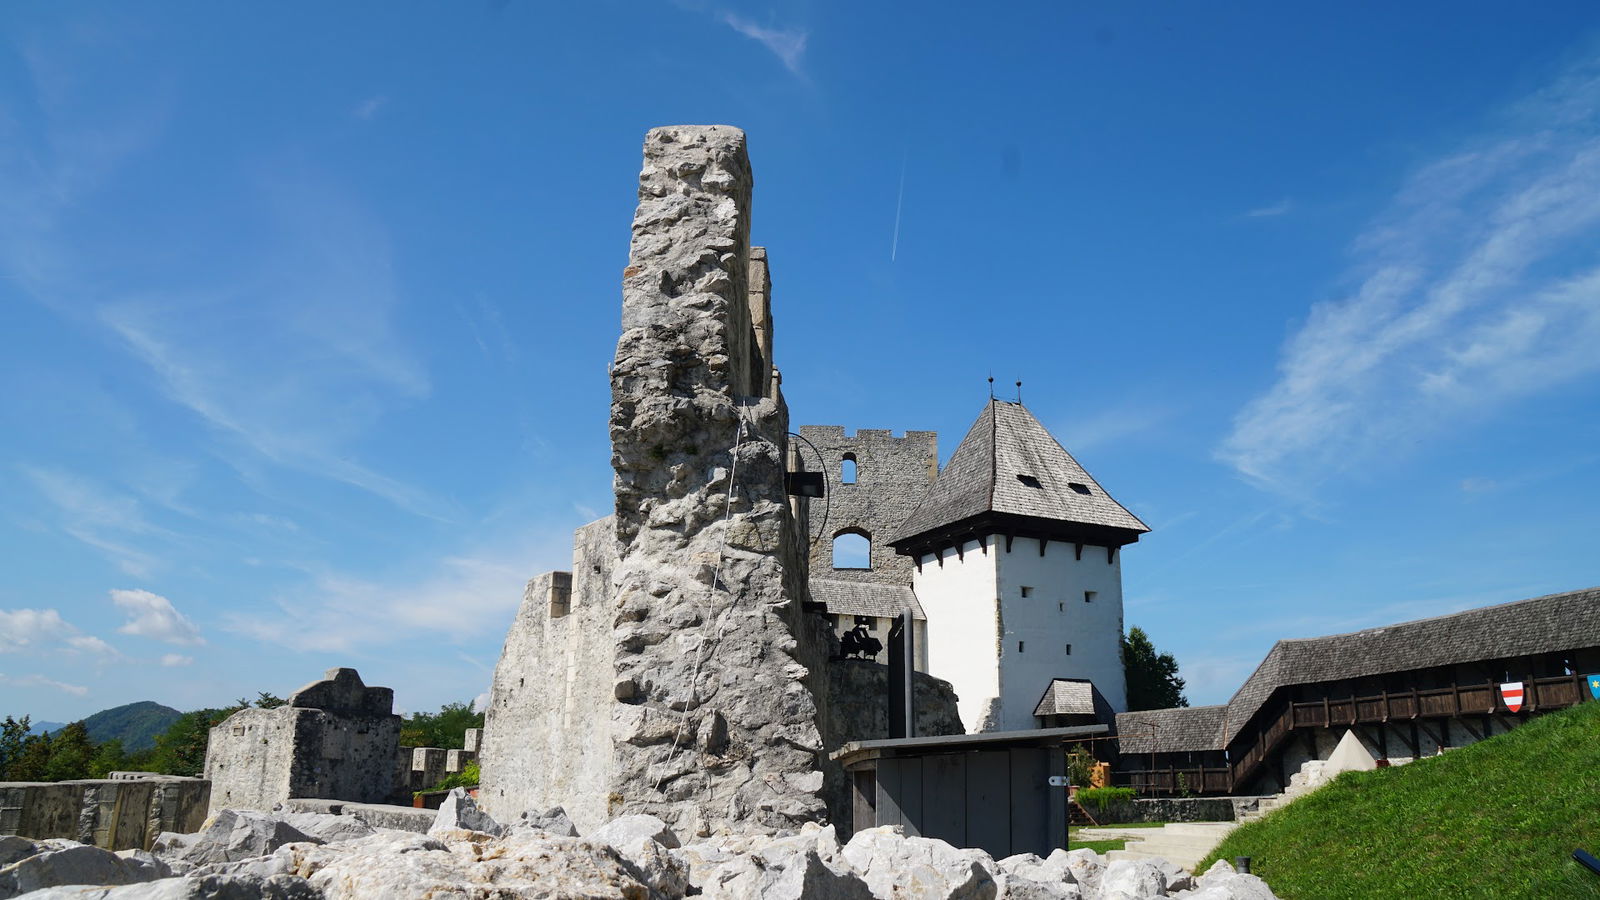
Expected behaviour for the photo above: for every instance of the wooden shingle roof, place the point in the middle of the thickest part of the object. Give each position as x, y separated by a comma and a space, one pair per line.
1551, 624
865, 598
1009, 466
1170, 730
1067, 697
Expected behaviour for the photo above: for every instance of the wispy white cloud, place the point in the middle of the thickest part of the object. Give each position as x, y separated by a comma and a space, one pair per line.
44, 630
1282, 207
788, 44
1109, 426
154, 616
369, 108
98, 516
173, 660
290, 352
77, 690
21, 629
455, 596
1479, 285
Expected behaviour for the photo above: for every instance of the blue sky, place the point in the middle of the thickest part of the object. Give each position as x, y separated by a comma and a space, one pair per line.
305, 309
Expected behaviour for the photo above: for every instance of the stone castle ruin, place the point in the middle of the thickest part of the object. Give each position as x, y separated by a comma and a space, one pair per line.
675, 671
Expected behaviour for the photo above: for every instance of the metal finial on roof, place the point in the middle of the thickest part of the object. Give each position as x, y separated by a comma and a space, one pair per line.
991, 387
1019, 393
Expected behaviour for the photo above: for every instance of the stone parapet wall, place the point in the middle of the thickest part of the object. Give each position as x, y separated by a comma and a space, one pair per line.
1170, 809
547, 731
113, 813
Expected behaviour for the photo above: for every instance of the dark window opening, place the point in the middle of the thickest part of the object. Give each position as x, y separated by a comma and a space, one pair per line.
1080, 488
1069, 649
847, 469
1088, 596
1019, 645
1030, 481
1027, 591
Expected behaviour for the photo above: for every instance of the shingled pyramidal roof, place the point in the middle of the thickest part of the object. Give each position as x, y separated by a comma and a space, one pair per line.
1009, 475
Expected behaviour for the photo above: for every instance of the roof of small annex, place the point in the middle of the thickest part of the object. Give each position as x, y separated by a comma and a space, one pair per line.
866, 598
1067, 697
1548, 624
1009, 464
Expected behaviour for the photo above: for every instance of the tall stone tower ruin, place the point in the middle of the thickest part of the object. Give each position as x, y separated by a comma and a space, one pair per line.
674, 672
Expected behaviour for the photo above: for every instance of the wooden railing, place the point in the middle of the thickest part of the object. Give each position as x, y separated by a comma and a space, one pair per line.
1540, 694
1177, 780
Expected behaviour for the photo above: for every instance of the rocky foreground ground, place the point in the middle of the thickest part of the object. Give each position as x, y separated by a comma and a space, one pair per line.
247, 855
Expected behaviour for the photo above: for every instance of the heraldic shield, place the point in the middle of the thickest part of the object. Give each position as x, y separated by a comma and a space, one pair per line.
1511, 693
1594, 685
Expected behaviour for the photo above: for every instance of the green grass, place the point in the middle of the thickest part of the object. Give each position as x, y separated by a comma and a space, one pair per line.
1499, 818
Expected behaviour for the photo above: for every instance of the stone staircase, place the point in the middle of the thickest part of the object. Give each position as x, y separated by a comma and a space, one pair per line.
1181, 843
1312, 775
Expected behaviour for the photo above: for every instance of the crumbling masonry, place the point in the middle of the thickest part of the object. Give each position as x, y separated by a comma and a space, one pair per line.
675, 670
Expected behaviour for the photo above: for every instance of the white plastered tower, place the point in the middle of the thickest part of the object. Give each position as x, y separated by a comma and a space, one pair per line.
1018, 554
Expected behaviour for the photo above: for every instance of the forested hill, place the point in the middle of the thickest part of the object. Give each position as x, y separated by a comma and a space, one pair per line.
135, 724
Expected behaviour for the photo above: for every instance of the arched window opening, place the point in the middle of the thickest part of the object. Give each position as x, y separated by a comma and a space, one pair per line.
847, 469
852, 550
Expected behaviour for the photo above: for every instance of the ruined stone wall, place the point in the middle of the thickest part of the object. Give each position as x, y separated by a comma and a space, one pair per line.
120, 813
718, 728
335, 738
547, 732
892, 475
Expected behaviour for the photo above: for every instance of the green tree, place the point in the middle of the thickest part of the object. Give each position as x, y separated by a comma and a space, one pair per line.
182, 750
445, 728
13, 734
70, 752
268, 700
31, 764
108, 757
1153, 681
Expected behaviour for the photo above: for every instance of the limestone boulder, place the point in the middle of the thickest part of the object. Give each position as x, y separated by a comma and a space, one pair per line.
67, 863
467, 865
459, 812
1027, 877
553, 820
210, 887
13, 849
895, 866
232, 835
330, 829
628, 829
1132, 879
1221, 882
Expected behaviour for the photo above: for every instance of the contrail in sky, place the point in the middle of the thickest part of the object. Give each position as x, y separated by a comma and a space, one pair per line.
895, 246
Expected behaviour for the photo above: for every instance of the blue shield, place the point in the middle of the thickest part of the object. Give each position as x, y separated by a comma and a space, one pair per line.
1594, 685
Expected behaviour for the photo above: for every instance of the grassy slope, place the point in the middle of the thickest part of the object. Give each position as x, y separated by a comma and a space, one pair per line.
135, 724
1499, 818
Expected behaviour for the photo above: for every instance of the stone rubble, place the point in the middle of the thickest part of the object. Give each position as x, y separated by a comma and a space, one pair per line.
459, 812
637, 857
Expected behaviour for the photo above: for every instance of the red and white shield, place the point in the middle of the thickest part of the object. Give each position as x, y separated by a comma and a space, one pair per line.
1512, 692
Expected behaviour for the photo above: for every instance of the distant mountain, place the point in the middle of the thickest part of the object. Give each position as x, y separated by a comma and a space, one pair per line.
135, 724
44, 727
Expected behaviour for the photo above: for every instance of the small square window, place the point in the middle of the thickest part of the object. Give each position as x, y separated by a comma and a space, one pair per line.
1027, 591
1088, 596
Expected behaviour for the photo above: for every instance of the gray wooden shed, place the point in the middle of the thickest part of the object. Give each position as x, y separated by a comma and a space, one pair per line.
990, 791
